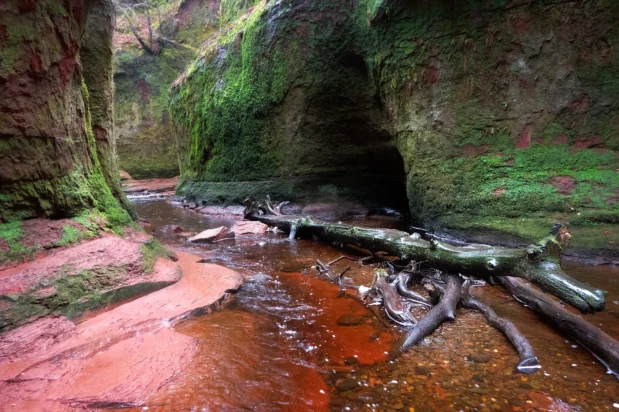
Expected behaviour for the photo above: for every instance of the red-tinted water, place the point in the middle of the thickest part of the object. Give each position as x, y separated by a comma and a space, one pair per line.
279, 345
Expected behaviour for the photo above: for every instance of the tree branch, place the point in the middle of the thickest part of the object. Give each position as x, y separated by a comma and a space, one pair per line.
444, 310
600, 344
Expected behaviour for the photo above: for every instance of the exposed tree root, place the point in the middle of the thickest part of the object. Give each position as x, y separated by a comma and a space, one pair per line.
397, 309
539, 263
401, 282
444, 310
528, 360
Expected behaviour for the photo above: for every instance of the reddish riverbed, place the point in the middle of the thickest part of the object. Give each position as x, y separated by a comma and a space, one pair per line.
279, 346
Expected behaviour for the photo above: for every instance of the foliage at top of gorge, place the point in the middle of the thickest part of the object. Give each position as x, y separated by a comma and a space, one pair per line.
155, 41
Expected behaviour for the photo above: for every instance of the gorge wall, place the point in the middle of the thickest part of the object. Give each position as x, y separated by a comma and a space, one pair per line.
146, 146
491, 116
57, 142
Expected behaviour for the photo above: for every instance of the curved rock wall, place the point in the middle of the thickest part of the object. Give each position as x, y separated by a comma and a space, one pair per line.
146, 145
52, 162
505, 113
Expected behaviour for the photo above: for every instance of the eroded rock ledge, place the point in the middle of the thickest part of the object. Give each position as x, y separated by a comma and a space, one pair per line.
115, 358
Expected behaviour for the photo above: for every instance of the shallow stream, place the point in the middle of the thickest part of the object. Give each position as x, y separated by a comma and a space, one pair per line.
282, 343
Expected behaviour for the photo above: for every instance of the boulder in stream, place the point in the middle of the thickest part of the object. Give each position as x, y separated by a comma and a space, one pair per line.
249, 228
212, 235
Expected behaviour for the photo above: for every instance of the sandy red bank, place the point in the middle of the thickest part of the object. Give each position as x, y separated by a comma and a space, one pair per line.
120, 356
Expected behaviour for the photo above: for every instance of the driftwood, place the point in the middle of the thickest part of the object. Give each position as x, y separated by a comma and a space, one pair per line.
395, 307
401, 282
448, 291
539, 263
528, 360
600, 344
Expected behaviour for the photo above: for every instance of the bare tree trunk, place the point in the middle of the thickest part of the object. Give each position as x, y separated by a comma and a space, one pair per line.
137, 35
150, 30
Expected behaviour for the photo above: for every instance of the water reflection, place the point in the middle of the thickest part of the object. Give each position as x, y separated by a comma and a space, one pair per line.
279, 346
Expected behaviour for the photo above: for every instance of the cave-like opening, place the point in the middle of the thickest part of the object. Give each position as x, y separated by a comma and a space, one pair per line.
346, 144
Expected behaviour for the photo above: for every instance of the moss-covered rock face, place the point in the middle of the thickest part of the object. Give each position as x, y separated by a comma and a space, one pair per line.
146, 145
51, 162
490, 110
283, 101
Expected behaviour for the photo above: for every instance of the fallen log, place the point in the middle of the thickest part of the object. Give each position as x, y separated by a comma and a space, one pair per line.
601, 345
444, 310
528, 360
538, 263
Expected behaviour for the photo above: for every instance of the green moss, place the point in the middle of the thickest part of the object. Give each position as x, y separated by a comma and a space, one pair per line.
230, 10
65, 194
151, 251
73, 234
70, 235
225, 128
103, 199
72, 293
12, 234
594, 218
453, 94
17, 32
146, 144
592, 235
150, 154
527, 230
90, 220
86, 226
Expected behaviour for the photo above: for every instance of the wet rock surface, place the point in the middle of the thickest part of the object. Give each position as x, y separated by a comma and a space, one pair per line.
77, 278
117, 357
100, 252
212, 235
249, 228
135, 187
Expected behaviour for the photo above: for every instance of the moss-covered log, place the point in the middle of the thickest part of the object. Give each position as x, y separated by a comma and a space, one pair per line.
539, 263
